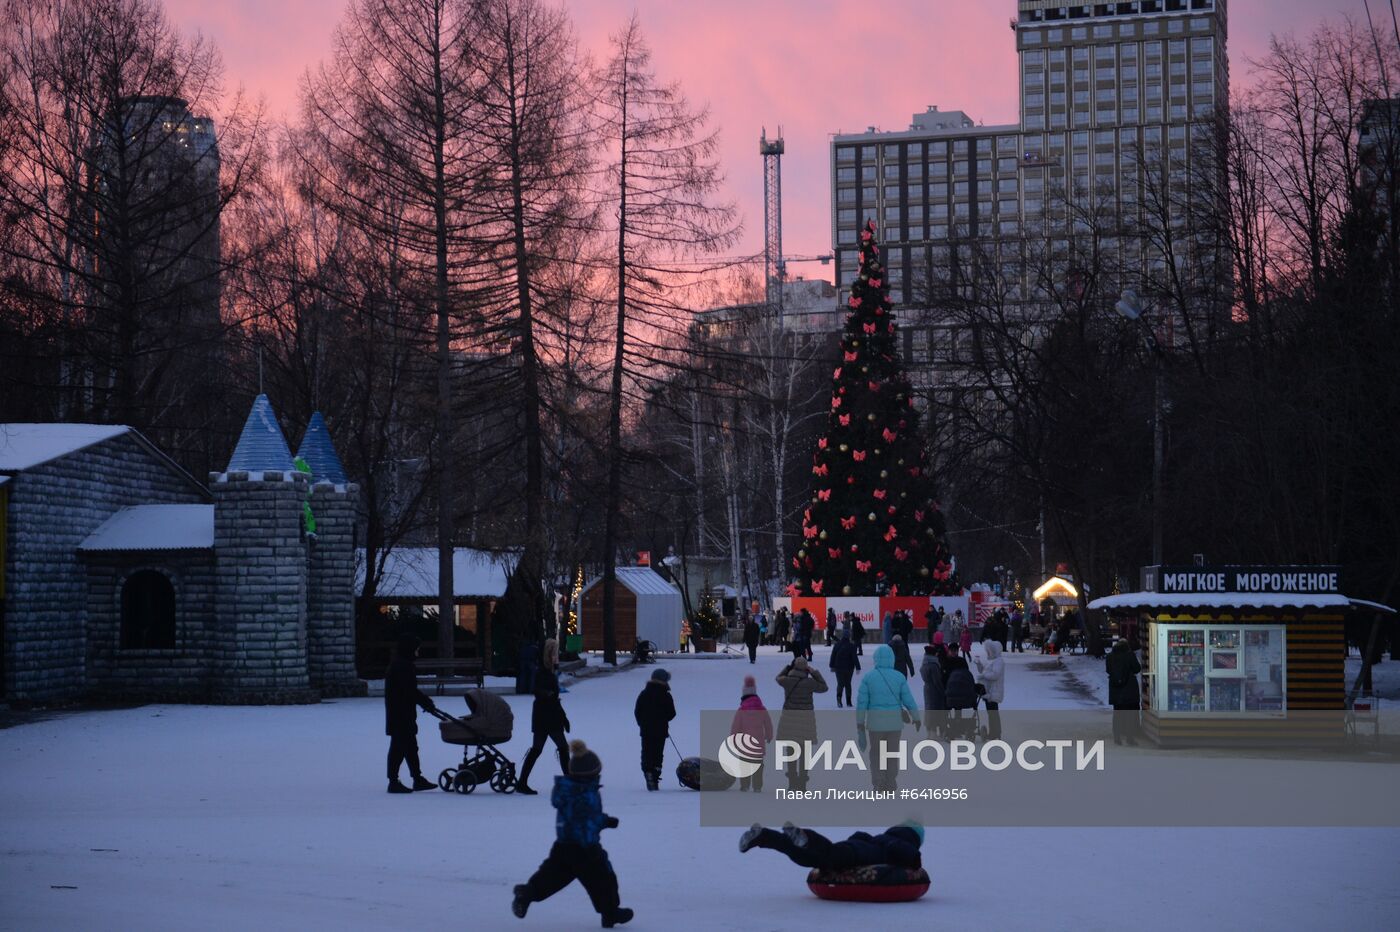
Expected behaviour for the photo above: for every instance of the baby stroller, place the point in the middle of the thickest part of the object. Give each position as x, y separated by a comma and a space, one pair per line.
489, 724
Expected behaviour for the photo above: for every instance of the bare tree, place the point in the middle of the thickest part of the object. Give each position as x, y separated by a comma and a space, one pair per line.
118, 172
663, 178
392, 116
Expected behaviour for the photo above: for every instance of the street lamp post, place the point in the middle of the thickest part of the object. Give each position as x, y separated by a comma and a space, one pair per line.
1130, 306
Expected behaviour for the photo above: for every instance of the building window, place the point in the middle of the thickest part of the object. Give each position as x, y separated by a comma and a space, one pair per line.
148, 612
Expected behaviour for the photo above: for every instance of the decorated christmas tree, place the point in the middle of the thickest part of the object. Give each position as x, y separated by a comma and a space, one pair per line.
873, 526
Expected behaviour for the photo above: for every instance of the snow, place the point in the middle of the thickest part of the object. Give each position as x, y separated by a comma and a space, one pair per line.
155, 527
1220, 600
24, 446
180, 817
412, 573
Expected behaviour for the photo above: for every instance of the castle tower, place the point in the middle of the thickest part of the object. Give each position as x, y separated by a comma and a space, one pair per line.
260, 554
330, 607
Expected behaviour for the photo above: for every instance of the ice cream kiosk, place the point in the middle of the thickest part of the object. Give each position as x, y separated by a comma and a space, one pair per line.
1230, 651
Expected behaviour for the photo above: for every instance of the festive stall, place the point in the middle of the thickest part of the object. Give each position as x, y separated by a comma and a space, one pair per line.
648, 608
1232, 650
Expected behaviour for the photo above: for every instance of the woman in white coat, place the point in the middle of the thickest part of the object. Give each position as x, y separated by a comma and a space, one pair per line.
991, 673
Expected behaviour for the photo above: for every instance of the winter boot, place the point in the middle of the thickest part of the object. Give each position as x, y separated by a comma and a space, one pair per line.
396, 787
521, 901
795, 835
750, 838
651, 779
618, 917
523, 789
419, 783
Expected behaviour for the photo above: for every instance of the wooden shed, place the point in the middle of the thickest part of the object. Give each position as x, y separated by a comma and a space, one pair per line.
648, 608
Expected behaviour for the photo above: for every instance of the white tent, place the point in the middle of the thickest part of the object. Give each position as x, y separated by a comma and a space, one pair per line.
648, 608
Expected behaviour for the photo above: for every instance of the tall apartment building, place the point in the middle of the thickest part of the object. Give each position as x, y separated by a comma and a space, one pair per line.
1108, 91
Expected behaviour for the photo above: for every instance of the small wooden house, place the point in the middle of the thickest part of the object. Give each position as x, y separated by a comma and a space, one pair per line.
648, 608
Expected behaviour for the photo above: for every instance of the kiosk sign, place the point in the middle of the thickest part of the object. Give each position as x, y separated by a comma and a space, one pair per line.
1253, 579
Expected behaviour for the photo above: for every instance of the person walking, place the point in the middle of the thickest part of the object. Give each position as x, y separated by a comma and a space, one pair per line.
654, 710
799, 683
946, 628
782, 624
991, 674
902, 661
830, 626
753, 720
1017, 632
402, 698
960, 693
935, 703
752, 633
1123, 668
903, 626
577, 852
685, 635
883, 704
886, 627
762, 628
547, 719
858, 634
844, 663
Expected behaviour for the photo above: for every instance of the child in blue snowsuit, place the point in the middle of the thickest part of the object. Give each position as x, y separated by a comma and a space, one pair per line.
577, 853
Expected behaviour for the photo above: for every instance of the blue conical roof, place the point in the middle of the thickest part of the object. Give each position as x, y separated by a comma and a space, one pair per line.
319, 452
261, 446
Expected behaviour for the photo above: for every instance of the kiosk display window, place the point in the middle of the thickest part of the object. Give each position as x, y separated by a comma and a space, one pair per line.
1220, 669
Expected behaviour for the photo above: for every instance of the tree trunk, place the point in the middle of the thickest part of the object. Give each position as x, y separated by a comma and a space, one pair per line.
614, 495
445, 516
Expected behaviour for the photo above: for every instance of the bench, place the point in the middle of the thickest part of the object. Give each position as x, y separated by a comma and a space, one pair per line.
443, 672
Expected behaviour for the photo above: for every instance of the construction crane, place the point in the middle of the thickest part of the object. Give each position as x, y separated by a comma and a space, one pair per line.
774, 262
772, 152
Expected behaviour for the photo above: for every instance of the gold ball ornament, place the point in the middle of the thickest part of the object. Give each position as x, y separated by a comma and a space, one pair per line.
802, 554
884, 474
845, 590
870, 416
871, 516
844, 448
923, 571
822, 535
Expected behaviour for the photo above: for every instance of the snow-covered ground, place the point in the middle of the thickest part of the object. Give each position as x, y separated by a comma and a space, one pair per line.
191, 817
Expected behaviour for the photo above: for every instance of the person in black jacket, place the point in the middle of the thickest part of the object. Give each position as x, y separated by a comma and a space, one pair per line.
401, 695
751, 633
1123, 693
548, 722
654, 711
897, 846
844, 663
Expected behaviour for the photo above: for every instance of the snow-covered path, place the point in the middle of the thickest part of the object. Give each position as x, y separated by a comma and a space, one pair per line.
185, 817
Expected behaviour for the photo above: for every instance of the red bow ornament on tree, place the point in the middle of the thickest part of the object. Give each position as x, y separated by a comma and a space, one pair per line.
889, 435
863, 565
879, 493
858, 455
824, 495
848, 523
845, 420
901, 555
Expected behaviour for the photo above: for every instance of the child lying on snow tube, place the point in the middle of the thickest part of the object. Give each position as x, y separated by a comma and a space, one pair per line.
883, 868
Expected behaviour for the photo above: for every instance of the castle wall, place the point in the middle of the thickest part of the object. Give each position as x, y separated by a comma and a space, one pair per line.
52, 509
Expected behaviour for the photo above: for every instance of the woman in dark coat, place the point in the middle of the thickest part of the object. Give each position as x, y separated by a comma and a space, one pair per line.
1123, 694
402, 697
751, 635
547, 719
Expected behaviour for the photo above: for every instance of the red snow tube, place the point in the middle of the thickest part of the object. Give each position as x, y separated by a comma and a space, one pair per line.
876, 883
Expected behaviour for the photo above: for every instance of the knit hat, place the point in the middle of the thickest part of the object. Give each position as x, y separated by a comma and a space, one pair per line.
551, 654
750, 687
800, 664
914, 824
583, 762
660, 675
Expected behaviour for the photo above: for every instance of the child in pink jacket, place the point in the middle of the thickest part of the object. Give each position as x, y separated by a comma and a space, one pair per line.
753, 720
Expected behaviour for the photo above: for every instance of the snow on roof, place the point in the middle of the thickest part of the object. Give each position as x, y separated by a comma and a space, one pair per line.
319, 453
1221, 600
642, 580
155, 527
412, 573
261, 446
24, 446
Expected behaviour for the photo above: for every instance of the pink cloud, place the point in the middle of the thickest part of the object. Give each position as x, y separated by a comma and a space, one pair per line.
812, 66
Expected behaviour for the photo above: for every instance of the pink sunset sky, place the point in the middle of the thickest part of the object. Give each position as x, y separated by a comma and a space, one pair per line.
815, 67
